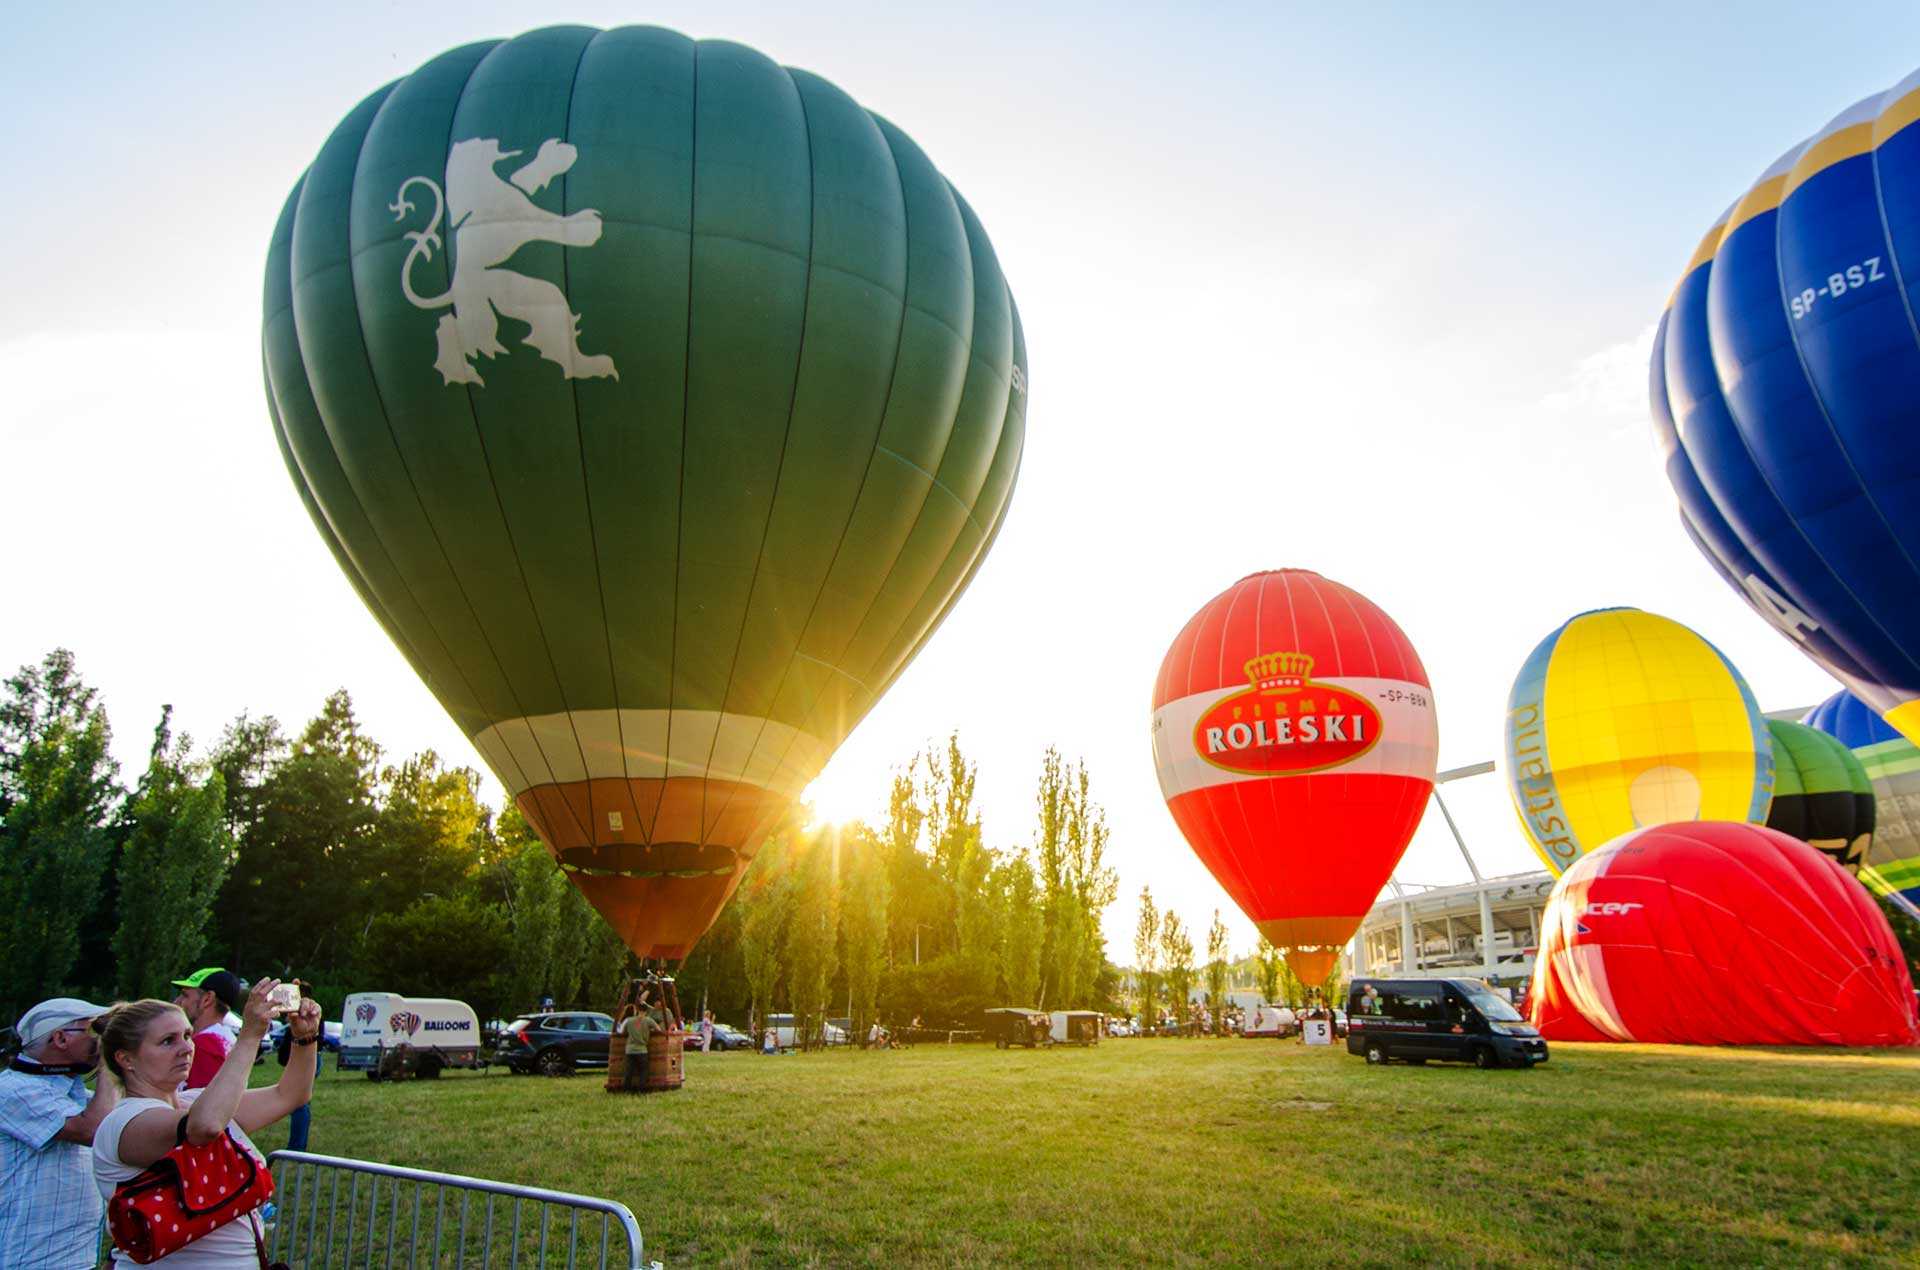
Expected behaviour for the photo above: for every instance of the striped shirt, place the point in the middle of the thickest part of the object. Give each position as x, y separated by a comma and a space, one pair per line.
50, 1209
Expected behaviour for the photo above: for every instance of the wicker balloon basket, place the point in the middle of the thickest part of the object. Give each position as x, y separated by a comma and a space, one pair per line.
662, 1059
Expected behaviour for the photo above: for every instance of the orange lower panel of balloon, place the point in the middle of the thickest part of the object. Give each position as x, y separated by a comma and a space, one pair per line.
658, 858
1313, 965
1312, 944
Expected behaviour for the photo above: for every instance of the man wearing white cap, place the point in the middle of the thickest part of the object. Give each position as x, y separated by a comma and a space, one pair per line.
50, 1207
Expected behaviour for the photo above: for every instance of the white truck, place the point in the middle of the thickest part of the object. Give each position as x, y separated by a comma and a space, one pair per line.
429, 1033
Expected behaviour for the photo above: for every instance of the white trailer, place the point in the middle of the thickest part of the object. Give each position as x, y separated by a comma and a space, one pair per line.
1270, 1020
439, 1033
1075, 1027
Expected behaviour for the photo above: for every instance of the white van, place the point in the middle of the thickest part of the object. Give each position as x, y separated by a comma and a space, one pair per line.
783, 1032
441, 1033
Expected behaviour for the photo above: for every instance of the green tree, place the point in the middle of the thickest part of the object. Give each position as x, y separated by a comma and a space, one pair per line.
767, 897
863, 922
440, 947
176, 854
914, 908
953, 826
1146, 957
811, 927
57, 787
1271, 967
1095, 885
1217, 957
533, 893
1025, 934
291, 904
1176, 947
247, 751
1061, 925
426, 834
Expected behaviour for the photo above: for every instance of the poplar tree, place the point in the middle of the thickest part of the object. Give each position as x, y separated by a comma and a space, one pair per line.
815, 916
1271, 967
767, 893
177, 852
1146, 956
1217, 970
1020, 958
863, 922
1176, 946
1094, 886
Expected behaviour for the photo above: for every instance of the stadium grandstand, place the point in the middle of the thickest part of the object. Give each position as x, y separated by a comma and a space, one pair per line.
1487, 928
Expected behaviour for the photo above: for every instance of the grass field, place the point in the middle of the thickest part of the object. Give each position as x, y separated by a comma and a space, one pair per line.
1156, 1151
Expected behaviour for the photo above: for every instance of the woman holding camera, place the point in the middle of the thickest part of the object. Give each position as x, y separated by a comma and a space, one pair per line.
146, 1047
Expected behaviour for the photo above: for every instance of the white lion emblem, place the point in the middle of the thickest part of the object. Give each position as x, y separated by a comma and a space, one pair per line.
492, 219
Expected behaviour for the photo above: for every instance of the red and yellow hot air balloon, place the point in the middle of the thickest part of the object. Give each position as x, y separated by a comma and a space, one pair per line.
1295, 738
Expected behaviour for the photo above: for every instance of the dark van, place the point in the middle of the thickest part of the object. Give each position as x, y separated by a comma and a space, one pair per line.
1461, 1020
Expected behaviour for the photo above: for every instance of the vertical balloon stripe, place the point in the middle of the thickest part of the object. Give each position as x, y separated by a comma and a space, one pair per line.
632, 106
855, 301
752, 235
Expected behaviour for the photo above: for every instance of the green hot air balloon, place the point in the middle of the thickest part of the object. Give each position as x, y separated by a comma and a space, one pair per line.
1821, 794
660, 402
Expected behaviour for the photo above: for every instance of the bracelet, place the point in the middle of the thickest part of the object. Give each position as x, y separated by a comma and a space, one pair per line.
307, 1040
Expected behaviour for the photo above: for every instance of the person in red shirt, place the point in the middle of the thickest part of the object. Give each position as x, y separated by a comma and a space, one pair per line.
205, 997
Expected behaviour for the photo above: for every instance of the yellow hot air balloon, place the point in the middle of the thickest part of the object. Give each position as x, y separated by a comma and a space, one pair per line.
1622, 719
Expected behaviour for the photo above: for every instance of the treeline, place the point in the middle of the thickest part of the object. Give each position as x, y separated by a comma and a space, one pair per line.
314, 853
309, 854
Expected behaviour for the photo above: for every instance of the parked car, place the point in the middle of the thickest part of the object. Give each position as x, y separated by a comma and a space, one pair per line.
329, 1039
555, 1044
1007, 1025
730, 1038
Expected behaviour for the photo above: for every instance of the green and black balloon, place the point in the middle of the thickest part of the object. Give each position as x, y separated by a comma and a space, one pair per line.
1821, 794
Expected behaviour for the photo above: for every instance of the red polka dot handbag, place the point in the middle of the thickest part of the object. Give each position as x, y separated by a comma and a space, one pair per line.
186, 1194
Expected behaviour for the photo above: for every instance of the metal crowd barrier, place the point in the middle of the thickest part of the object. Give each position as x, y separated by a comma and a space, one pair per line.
337, 1212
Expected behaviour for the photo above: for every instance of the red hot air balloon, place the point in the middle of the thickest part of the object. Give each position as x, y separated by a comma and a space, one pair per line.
1295, 738
1718, 934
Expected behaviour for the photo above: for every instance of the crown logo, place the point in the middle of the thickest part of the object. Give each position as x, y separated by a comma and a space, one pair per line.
1278, 673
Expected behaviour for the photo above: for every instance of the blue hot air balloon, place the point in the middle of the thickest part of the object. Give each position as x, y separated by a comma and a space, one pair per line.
1892, 866
1786, 397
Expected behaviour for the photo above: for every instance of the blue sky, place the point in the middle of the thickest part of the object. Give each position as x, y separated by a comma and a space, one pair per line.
1425, 244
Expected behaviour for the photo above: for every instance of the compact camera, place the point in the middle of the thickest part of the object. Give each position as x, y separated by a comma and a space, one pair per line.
285, 998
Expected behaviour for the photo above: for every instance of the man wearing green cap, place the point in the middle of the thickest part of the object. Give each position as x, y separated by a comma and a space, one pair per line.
205, 997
